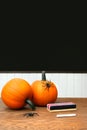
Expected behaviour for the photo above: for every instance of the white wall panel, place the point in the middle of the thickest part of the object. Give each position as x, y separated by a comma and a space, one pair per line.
68, 84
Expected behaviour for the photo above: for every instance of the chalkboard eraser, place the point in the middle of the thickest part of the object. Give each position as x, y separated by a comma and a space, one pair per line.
63, 106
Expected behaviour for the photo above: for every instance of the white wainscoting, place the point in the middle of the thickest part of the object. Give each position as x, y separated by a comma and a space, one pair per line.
68, 84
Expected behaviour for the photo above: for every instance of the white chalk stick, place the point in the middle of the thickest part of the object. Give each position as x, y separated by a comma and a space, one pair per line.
65, 115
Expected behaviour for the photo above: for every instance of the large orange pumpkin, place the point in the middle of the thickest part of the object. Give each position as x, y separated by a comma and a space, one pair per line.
44, 91
16, 93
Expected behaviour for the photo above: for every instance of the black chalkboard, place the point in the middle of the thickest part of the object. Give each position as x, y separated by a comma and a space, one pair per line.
61, 56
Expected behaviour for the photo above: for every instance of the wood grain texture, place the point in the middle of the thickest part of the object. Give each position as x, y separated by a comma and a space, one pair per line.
14, 119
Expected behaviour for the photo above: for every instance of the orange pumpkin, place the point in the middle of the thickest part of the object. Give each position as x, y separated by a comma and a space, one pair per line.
44, 91
16, 93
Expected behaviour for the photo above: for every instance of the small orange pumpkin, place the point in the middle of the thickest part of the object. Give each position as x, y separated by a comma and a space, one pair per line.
16, 93
44, 91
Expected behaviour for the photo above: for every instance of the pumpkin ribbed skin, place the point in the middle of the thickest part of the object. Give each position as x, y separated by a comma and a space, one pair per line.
15, 92
44, 92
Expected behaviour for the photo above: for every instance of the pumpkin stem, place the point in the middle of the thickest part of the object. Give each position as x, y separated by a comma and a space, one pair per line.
30, 104
43, 76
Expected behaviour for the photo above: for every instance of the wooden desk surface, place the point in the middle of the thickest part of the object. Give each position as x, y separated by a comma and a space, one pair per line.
14, 119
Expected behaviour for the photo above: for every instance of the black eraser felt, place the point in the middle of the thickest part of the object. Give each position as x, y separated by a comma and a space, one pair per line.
60, 106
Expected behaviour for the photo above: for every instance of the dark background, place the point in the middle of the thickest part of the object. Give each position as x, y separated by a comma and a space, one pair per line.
39, 40
60, 56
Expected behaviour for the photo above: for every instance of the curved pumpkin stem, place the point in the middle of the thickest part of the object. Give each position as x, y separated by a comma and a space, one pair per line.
43, 76
30, 104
